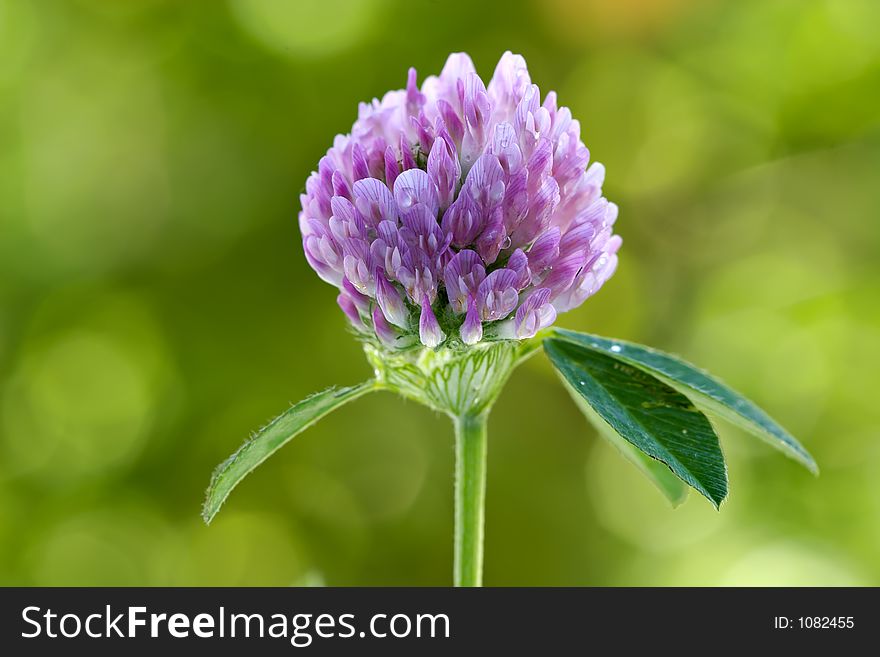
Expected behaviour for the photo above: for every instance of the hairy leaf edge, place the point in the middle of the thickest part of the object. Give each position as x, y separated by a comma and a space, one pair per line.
211, 505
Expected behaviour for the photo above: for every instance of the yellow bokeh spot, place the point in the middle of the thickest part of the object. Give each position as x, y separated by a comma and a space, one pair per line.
243, 549
83, 396
577, 20
790, 564
117, 545
305, 28
79, 401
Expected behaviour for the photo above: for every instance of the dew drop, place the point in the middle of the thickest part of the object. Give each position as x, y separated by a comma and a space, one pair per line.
684, 430
615, 348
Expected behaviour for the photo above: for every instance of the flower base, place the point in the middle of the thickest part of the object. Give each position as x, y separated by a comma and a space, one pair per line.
456, 381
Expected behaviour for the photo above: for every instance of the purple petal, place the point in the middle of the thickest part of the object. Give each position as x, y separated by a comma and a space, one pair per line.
374, 201
414, 98
376, 157
570, 158
535, 313
550, 103
597, 244
350, 309
387, 249
542, 203
540, 163
424, 131
493, 238
360, 301
463, 221
563, 273
443, 133
422, 232
591, 278
458, 66
476, 110
505, 148
444, 171
343, 223
430, 333
497, 295
320, 186
391, 303
519, 263
359, 267
359, 166
611, 214
508, 83
462, 276
544, 251
392, 168
415, 186
451, 120
388, 231
323, 252
561, 120
485, 182
596, 174
408, 162
340, 185
416, 274
384, 331
472, 328
578, 239
594, 213
524, 117
516, 200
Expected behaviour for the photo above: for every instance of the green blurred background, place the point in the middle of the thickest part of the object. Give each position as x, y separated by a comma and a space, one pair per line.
155, 306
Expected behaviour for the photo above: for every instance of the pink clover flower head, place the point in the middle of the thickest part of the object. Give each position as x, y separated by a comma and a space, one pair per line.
459, 210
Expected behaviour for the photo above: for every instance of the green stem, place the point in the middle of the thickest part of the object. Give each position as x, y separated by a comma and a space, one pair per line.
470, 498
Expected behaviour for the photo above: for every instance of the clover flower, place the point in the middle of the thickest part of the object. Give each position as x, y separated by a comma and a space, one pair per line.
456, 220
459, 210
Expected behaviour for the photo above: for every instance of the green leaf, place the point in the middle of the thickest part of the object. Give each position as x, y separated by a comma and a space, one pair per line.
660, 475
652, 416
271, 438
705, 390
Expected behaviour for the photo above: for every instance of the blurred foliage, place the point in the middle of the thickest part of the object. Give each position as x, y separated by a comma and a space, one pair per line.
155, 305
